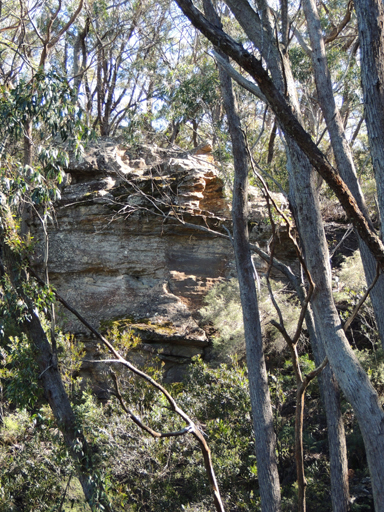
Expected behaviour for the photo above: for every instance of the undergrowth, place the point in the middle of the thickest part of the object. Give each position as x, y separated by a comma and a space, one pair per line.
152, 475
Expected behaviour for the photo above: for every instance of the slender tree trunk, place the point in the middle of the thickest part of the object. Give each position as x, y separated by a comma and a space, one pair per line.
258, 380
341, 150
79, 48
288, 122
370, 16
81, 452
353, 380
195, 126
329, 388
52, 384
329, 392
330, 397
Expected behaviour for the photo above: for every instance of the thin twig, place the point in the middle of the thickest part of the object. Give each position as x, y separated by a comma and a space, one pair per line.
305, 301
65, 492
137, 420
362, 300
346, 234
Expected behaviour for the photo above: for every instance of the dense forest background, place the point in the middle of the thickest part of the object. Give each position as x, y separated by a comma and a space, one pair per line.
290, 97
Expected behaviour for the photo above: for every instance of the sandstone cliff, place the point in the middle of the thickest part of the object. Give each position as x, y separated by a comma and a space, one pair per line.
122, 249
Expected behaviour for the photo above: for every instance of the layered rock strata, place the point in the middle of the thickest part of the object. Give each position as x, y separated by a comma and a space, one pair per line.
123, 251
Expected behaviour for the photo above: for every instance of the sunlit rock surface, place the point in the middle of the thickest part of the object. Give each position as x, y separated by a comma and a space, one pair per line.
121, 251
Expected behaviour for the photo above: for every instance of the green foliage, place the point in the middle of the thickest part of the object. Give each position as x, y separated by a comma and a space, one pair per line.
223, 309
143, 473
351, 288
46, 100
301, 64
43, 106
189, 92
351, 277
32, 453
146, 474
168, 474
19, 373
373, 363
70, 355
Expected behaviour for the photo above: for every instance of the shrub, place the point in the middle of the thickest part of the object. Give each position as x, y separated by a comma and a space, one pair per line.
223, 310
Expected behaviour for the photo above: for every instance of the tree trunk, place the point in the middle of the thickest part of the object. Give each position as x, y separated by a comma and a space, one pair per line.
258, 380
288, 122
79, 48
81, 452
353, 380
329, 389
268, 476
52, 384
330, 397
341, 150
370, 16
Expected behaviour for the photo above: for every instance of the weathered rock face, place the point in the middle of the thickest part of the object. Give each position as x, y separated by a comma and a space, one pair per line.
121, 249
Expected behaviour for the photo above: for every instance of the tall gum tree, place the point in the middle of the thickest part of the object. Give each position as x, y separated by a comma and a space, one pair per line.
268, 476
261, 34
116, 56
341, 149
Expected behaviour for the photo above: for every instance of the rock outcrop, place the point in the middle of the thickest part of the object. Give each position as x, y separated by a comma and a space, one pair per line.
123, 250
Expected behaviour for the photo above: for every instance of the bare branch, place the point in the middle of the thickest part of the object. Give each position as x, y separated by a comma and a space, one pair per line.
67, 25
195, 431
336, 30
288, 121
137, 420
314, 373
240, 79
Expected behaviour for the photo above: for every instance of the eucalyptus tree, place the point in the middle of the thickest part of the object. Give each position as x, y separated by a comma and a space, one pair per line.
189, 103
269, 483
46, 102
371, 36
341, 149
114, 56
190, 100
32, 39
